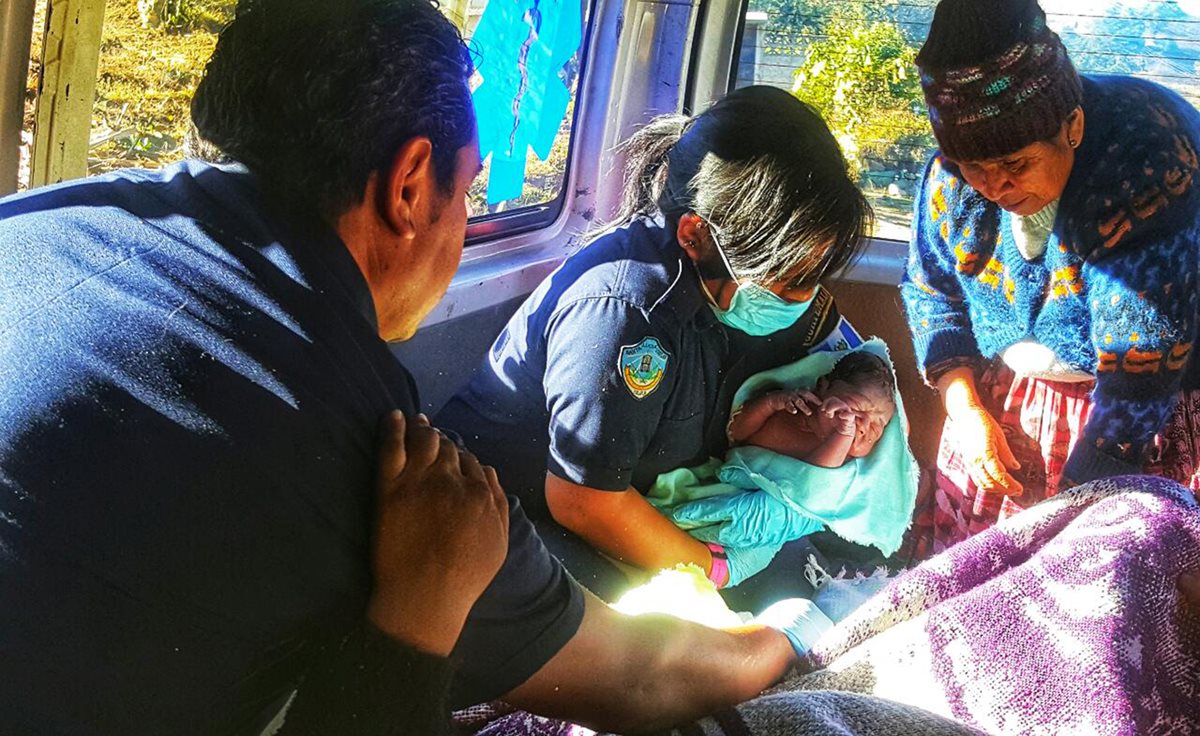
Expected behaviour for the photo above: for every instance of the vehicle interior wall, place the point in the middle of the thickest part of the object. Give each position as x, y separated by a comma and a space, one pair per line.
443, 356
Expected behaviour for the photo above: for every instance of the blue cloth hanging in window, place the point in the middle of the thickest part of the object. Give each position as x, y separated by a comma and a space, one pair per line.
522, 47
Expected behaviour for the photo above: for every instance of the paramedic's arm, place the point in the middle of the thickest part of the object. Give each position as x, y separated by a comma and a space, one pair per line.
602, 424
633, 674
441, 534
623, 525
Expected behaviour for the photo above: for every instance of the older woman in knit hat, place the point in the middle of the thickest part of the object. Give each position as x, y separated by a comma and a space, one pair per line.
1051, 283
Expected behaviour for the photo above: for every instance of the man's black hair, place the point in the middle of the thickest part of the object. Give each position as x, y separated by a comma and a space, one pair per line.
316, 95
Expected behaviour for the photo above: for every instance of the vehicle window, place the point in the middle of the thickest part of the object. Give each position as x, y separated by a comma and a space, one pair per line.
152, 56
854, 61
153, 52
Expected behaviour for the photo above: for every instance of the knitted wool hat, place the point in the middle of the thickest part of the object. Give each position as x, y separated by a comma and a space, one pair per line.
996, 78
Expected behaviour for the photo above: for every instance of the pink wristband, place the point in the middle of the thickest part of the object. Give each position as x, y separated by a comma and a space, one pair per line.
719, 573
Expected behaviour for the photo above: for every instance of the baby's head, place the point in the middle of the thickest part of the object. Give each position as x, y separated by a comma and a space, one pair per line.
865, 382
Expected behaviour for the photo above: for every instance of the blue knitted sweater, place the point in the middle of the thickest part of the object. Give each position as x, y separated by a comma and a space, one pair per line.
1115, 292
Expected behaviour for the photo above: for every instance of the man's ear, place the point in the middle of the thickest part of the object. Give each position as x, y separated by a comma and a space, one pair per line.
409, 186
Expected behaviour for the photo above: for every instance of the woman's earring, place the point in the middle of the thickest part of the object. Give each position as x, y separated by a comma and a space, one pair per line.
1071, 142
689, 244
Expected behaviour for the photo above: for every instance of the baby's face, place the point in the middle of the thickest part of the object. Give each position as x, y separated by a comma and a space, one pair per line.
874, 409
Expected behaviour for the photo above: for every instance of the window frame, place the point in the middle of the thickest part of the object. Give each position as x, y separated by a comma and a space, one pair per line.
16, 42
481, 229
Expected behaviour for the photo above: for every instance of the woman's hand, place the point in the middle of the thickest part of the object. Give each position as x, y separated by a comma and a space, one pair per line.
980, 439
985, 450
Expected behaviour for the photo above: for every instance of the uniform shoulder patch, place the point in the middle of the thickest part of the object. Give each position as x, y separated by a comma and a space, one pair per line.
642, 366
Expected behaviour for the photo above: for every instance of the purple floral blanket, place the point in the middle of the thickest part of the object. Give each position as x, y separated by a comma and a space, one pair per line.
1064, 619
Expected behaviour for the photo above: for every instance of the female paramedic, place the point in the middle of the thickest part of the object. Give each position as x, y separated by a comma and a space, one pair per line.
1051, 287
623, 362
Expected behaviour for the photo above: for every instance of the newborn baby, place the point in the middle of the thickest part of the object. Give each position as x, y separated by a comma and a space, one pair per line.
842, 418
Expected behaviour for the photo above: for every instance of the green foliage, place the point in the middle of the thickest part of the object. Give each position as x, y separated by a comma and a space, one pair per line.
860, 74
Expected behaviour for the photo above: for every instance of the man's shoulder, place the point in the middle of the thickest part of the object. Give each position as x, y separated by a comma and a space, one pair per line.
135, 192
122, 209
123, 229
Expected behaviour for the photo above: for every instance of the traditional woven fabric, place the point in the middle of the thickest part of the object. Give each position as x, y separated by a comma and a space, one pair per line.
1064, 619
823, 714
1179, 443
781, 714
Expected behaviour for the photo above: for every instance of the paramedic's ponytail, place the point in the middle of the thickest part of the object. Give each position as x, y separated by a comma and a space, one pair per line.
646, 154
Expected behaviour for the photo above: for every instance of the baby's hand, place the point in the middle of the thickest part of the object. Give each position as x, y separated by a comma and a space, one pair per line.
845, 418
798, 401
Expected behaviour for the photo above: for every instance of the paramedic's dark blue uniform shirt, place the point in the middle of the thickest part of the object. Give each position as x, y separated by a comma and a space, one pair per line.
617, 354
189, 397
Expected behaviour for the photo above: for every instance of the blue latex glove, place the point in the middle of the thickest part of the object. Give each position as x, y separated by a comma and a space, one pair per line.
746, 519
800, 621
745, 562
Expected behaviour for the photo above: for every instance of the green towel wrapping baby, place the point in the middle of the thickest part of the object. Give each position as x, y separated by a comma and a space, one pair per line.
822, 442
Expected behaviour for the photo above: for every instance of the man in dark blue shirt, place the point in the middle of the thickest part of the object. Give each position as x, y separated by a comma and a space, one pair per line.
188, 435
193, 368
